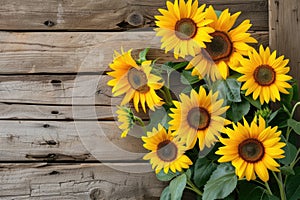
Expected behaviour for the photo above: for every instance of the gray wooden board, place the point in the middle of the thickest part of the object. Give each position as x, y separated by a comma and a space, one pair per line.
73, 141
74, 52
107, 14
77, 181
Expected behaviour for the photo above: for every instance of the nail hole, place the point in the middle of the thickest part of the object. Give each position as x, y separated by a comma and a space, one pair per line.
46, 125
51, 142
54, 173
54, 112
51, 155
49, 23
55, 81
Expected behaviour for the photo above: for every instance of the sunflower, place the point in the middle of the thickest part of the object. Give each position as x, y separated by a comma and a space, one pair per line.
167, 151
183, 27
126, 118
198, 116
227, 46
264, 75
136, 82
252, 149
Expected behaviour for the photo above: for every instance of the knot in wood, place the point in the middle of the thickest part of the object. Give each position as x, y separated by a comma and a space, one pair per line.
135, 19
97, 194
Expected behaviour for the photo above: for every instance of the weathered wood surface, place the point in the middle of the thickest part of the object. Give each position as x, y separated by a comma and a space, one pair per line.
72, 52
12, 111
72, 141
77, 181
56, 110
285, 32
107, 14
57, 89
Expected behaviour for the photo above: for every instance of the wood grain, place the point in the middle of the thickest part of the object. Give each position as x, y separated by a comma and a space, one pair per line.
72, 141
57, 89
12, 111
48, 52
107, 14
284, 32
77, 181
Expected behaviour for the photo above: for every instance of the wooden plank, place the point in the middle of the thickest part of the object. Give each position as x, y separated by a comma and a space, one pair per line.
72, 141
284, 32
72, 52
77, 181
106, 14
255, 10
55, 89
284, 29
14, 111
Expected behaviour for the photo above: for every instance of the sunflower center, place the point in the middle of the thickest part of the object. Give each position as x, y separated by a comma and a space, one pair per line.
264, 75
185, 29
167, 151
251, 150
198, 118
220, 48
138, 80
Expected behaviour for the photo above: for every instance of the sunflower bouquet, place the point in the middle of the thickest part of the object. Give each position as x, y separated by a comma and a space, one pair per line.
220, 122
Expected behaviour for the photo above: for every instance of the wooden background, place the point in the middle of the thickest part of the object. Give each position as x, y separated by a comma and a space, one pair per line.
54, 100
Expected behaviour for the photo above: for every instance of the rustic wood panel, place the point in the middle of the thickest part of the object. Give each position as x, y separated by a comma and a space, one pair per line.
106, 14
255, 10
284, 32
78, 181
73, 141
57, 89
14, 111
72, 52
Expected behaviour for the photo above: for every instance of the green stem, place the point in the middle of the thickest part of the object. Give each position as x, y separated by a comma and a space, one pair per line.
294, 109
280, 185
208, 82
168, 96
288, 132
262, 184
193, 187
141, 123
268, 188
289, 129
296, 159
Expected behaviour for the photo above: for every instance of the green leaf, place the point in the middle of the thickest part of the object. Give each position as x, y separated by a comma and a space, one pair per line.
188, 79
203, 170
290, 153
188, 174
272, 116
234, 90
281, 119
221, 183
165, 195
251, 191
287, 170
218, 12
295, 125
167, 67
177, 186
166, 177
229, 89
180, 65
237, 110
142, 55
293, 186
255, 103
